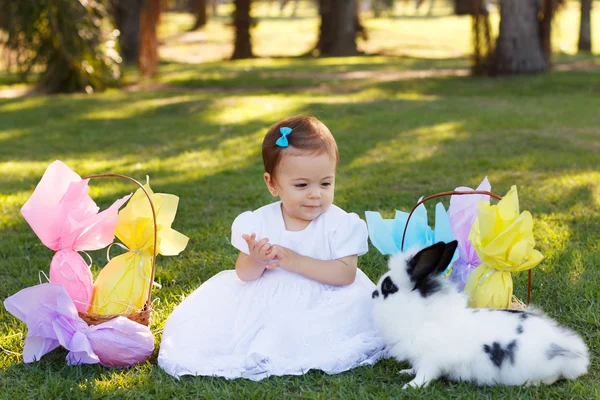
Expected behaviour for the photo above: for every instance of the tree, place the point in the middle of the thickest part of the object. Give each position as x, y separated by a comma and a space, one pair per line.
242, 23
214, 6
126, 14
519, 44
545, 16
283, 3
198, 9
585, 29
339, 27
378, 6
66, 39
524, 43
148, 50
482, 56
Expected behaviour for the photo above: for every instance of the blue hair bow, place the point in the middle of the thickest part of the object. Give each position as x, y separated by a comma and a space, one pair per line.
282, 141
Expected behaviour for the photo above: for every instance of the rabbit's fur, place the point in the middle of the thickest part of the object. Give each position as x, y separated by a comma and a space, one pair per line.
425, 321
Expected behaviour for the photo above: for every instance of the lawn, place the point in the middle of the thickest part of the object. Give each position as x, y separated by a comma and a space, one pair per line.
399, 139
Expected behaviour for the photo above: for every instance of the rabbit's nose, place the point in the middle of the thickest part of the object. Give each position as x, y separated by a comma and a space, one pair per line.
375, 294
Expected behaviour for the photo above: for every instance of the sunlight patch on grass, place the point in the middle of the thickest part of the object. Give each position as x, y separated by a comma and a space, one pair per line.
365, 92
15, 199
239, 110
22, 169
12, 343
132, 108
101, 163
33, 171
23, 104
414, 96
231, 153
10, 215
551, 235
10, 134
192, 73
408, 146
339, 64
559, 186
577, 267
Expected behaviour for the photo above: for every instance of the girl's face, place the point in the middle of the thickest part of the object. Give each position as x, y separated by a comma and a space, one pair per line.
305, 183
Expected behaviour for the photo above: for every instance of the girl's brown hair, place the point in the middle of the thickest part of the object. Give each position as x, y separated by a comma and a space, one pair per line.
308, 135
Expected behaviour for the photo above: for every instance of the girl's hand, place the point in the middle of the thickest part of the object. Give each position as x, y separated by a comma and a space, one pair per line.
286, 259
260, 251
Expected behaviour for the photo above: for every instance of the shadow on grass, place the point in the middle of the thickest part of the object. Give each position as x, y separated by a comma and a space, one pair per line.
292, 72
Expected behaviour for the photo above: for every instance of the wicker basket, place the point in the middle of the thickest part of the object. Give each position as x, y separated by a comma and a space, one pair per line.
470, 7
516, 303
142, 316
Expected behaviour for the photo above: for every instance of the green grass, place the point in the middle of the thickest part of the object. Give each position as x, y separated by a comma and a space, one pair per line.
398, 140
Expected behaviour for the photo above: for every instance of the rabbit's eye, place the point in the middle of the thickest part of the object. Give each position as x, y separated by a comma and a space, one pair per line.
388, 287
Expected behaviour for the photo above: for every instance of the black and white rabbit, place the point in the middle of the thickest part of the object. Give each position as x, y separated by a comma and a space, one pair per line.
425, 321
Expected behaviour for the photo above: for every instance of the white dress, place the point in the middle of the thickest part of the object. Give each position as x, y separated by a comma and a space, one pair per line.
282, 323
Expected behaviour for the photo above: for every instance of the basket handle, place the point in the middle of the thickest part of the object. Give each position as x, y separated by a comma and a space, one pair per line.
460, 193
153, 220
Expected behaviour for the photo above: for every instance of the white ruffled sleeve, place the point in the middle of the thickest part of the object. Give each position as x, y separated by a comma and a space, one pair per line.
245, 223
349, 237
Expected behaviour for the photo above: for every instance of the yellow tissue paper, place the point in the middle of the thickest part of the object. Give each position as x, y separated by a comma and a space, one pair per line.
503, 240
123, 284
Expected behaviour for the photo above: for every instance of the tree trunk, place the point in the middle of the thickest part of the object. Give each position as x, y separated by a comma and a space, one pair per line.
339, 28
198, 8
585, 28
295, 9
284, 3
346, 28
483, 55
518, 47
126, 14
358, 26
148, 51
325, 29
376, 7
242, 22
549, 7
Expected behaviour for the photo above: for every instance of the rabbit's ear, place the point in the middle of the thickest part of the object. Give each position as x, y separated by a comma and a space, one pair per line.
431, 260
449, 250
